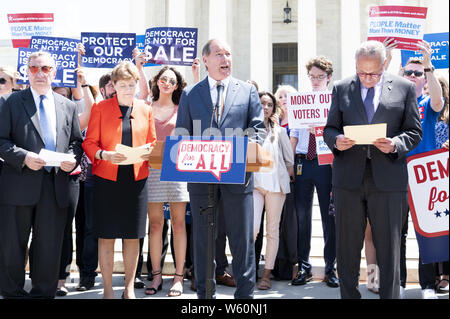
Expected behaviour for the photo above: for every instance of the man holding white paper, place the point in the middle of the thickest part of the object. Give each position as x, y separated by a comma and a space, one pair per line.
370, 181
32, 194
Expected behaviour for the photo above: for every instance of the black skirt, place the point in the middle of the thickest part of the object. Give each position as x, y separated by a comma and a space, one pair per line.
120, 208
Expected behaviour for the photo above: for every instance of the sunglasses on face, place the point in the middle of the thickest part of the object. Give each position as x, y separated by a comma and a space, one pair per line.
3, 81
165, 80
417, 74
35, 69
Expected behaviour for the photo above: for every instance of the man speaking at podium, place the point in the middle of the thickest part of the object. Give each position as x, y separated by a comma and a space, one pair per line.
237, 109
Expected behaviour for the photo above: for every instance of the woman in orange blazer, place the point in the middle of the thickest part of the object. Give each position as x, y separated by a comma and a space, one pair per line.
120, 191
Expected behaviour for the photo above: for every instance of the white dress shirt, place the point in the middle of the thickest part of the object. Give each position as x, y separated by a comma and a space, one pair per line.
213, 88
50, 108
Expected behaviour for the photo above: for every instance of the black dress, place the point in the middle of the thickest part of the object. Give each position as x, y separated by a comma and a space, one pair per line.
120, 208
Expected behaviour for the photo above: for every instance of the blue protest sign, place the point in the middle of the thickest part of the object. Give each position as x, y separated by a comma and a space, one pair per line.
171, 46
439, 45
54, 44
106, 50
66, 63
140, 44
205, 160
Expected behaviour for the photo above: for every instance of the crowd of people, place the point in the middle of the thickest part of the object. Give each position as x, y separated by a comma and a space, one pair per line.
362, 196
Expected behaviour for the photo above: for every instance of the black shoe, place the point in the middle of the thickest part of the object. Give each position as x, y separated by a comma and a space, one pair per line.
138, 283
331, 279
61, 292
86, 284
302, 278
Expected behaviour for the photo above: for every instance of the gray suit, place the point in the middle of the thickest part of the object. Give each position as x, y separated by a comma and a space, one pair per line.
33, 199
242, 110
373, 188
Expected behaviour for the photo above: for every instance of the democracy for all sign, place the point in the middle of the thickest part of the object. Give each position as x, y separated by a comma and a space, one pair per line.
324, 154
25, 25
106, 50
429, 203
308, 109
172, 46
66, 63
405, 24
54, 44
439, 46
203, 160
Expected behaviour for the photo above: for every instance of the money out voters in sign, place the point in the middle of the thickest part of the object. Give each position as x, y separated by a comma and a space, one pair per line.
205, 156
306, 109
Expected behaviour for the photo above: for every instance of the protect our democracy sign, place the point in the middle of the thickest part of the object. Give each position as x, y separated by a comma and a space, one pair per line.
204, 160
324, 154
106, 50
54, 44
25, 25
403, 23
171, 46
308, 109
66, 63
439, 44
429, 203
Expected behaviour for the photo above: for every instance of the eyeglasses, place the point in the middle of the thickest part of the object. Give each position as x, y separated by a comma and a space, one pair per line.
3, 81
319, 77
35, 69
417, 74
372, 75
167, 81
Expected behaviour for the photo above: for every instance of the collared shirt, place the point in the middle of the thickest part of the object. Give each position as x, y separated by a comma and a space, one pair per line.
377, 94
50, 108
302, 134
213, 88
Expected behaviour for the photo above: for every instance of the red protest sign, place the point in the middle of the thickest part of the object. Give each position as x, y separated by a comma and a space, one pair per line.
403, 23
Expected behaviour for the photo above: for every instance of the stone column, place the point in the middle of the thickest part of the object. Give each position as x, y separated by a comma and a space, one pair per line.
261, 43
350, 35
307, 42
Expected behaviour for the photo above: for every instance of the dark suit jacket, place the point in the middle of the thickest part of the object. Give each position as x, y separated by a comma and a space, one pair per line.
242, 110
20, 132
397, 108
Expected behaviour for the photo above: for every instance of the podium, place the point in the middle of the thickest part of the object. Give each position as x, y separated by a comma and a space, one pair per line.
258, 160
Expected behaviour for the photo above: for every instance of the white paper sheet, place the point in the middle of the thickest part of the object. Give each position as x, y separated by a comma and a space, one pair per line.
54, 158
365, 134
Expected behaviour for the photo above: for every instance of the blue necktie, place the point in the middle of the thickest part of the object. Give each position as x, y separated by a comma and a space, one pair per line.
368, 104
49, 140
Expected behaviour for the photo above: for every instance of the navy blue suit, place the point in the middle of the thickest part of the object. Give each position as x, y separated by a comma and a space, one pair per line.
242, 110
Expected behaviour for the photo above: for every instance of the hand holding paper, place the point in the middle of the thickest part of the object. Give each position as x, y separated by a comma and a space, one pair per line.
133, 155
386, 145
57, 159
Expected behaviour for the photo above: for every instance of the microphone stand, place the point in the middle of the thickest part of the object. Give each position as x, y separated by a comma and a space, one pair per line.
210, 234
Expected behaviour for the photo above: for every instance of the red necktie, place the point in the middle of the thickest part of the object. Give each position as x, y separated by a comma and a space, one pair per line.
311, 147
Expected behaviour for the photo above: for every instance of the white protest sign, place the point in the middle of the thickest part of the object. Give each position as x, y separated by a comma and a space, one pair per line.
429, 193
205, 156
308, 109
25, 25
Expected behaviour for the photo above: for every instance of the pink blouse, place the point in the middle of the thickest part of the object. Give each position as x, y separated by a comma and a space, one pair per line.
166, 127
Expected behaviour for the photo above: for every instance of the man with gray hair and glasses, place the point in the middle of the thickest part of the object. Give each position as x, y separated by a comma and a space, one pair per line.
370, 181
33, 195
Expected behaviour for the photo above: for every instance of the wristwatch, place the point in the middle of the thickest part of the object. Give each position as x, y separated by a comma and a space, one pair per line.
428, 69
